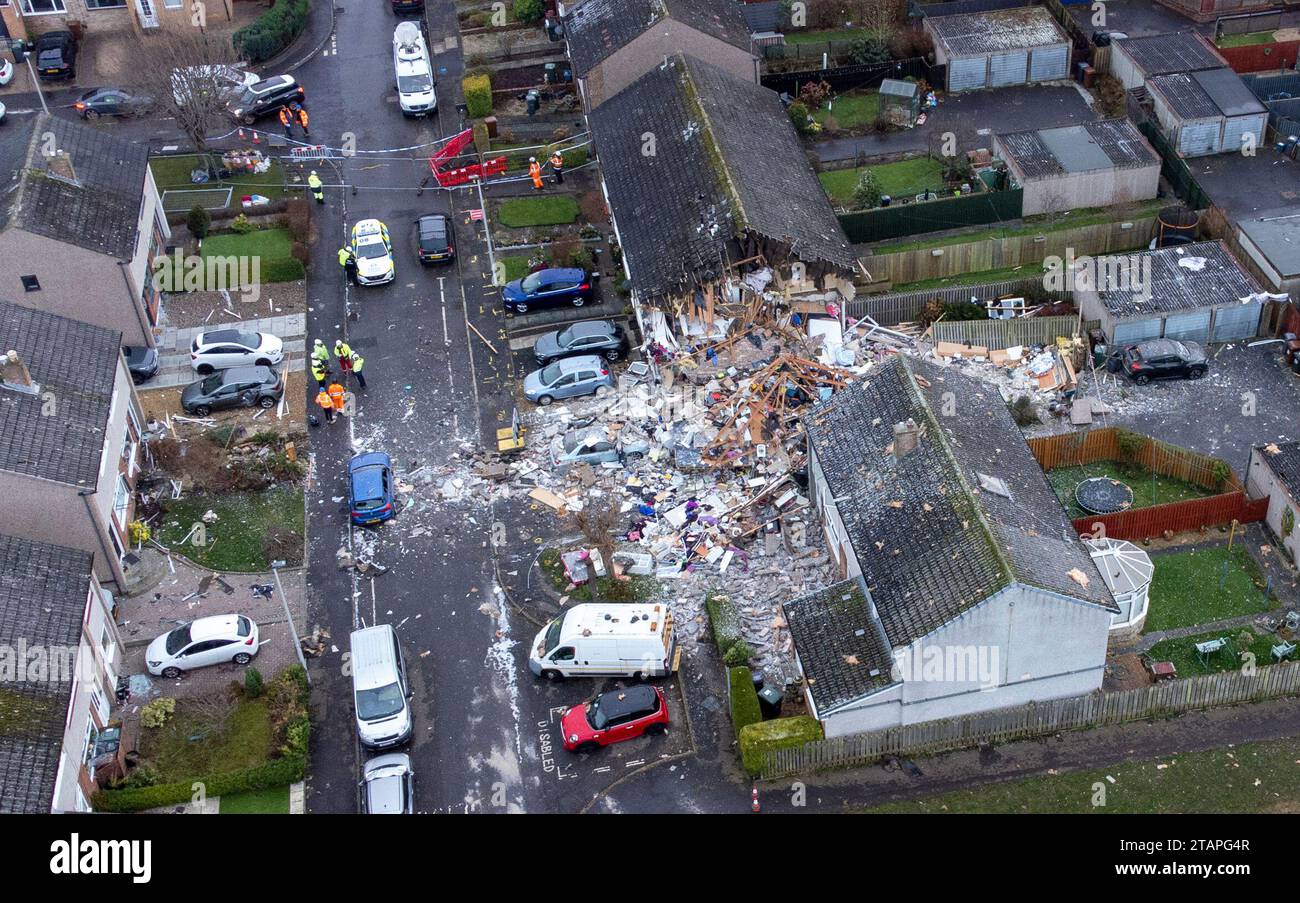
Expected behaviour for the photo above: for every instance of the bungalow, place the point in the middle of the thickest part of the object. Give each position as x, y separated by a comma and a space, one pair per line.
1274, 473
70, 436
81, 223
967, 589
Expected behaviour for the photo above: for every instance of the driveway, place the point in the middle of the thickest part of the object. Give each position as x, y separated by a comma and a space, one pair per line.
1245, 187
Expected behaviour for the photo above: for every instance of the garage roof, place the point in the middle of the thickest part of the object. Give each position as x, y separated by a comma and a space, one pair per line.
1283, 458
1162, 54
1108, 144
1207, 94
1278, 238
1182, 278
997, 31
1229, 92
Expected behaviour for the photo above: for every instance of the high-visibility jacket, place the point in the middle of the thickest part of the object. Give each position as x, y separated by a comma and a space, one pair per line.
302, 116
341, 349
324, 400
357, 361
284, 116
535, 170
344, 255
336, 394
319, 352
557, 161
314, 182
317, 370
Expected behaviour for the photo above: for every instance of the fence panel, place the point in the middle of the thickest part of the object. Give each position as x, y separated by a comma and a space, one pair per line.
933, 216
907, 307
1176, 517
845, 78
1174, 170
1271, 87
1261, 57
997, 334
1247, 23
1108, 444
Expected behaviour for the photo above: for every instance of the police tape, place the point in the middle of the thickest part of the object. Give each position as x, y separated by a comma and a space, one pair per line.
353, 152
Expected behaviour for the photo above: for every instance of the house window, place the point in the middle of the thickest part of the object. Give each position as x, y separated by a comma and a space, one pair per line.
105, 4
39, 7
31, 284
92, 737
172, 4
121, 500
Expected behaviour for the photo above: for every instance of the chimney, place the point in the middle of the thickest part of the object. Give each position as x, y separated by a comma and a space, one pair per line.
906, 437
15, 372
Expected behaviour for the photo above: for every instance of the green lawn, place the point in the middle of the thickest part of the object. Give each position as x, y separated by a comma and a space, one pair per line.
1245, 778
1182, 652
1147, 490
544, 210
257, 802
598, 589
236, 541
1246, 40
269, 244
1028, 271
902, 179
1186, 589
173, 172
195, 743
853, 110
516, 266
273, 248
829, 34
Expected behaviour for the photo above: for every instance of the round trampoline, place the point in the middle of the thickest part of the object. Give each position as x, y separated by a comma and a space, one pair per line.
1102, 495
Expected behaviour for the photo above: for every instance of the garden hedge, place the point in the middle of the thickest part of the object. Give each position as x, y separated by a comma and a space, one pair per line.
276, 773
744, 699
478, 95
272, 31
756, 740
725, 624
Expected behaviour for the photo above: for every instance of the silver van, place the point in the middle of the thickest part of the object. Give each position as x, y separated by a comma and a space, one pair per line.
380, 688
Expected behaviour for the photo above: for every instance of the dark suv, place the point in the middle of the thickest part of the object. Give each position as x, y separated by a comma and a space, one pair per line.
238, 387
434, 239
264, 97
1163, 359
56, 55
555, 285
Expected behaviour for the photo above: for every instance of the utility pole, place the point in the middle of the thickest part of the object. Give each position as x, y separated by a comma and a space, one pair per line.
288, 617
22, 53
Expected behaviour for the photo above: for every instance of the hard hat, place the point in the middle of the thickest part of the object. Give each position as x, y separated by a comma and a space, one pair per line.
319, 342
532, 159
313, 172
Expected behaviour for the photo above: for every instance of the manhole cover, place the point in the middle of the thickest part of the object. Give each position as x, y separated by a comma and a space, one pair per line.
1102, 495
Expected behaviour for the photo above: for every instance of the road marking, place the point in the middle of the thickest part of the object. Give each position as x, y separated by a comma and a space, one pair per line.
602, 769
446, 336
634, 763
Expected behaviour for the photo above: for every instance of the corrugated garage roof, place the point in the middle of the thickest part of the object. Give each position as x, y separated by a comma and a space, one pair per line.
999, 30
1228, 92
1184, 96
1163, 54
1187, 277
1108, 144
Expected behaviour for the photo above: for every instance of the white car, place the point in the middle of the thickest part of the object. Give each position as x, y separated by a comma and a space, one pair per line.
374, 253
222, 349
415, 81
225, 80
207, 641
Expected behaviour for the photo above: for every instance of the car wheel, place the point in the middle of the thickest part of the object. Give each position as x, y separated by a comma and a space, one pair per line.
203, 369
520, 308
589, 747
545, 400
201, 411
1142, 380
553, 676
1195, 374
657, 729
613, 355
579, 301
171, 673
266, 401
242, 659
602, 391
90, 114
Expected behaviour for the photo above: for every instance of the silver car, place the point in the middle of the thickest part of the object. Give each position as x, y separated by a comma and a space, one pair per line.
389, 785
591, 446
568, 378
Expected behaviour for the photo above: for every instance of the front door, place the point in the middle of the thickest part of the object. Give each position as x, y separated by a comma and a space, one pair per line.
146, 14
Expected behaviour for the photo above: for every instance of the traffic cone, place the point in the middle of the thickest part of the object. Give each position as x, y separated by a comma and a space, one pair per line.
754, 799
241, 134
256, 140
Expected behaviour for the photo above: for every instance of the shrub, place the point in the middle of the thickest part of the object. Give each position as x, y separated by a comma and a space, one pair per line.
779, 733
744, 699
867, 52
964, 310
529, 12
799, 116
1110, 95
480, 19
723, 621
276, 773
482, 143
198, 221
158, 712
867, 193
478, 95
739, 653
272, 31
1288, 521
253, 685
300, 253
242, 225
1130, 445
814, 94
297, 219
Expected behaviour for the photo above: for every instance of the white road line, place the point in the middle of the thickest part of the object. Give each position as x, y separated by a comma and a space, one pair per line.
446, 335
634, 763
602, 769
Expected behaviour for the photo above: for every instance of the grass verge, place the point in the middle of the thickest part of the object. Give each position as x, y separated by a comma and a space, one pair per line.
173, 173
273, 801
252, 528
1200, 586
598, 589
521, 213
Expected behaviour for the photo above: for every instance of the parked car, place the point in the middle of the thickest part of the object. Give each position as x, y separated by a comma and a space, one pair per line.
239, 387
408, 6
1163, 359
380, 687
374, 253
567, 378
613, 717
543, 288
225, 348
370, 488
265, 96
603, 337
141, 362
56, 55
111, 102
225, 80
435, 239
415, 81
601, 638
207, 641
592, 446
389, 785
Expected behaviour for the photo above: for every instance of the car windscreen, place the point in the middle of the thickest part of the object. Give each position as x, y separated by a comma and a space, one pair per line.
532, 282
381, 702
212, 383
178, 639
565, 338
246, 98
551, 374
248, 339
595, 716
553, 635
414, 84
372, 250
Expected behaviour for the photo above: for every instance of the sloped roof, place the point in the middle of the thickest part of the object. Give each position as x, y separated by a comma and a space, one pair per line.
1185, 277
707, 174
931, 543
98, 209
598, 28
42, 599
74, 366
1285, 464
1091, 146
999, 30
1179, 51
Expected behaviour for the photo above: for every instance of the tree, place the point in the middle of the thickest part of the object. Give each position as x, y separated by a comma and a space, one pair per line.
187, 74
868, 52
198, 221
867, 193
529, 11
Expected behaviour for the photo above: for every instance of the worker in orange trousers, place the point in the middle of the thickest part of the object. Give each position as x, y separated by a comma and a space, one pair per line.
535, 170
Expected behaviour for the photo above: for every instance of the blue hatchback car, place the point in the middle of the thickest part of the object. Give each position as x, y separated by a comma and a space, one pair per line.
555, 285
370, 488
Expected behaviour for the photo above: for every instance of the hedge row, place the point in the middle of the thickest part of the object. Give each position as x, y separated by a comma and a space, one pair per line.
277, 773
744, 699
272, 31
725, 624
478, 94
756, 740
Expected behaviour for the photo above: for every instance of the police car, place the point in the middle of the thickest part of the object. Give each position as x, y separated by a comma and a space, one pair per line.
374, 253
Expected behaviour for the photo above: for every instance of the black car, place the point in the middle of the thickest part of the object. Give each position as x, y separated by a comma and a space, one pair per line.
238, 387
265, 97
56, 55
141, 362
603, 337
434, 239
408, 6
111, 102
1163, 359
554, 285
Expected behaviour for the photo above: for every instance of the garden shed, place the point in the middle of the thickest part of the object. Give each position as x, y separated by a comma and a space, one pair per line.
1207, 112
1134, 60
1195, 292
900, 101
999, 48
1091, 165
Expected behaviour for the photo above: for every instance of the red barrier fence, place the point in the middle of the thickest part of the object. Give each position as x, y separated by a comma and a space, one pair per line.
1176, 517
1262, 57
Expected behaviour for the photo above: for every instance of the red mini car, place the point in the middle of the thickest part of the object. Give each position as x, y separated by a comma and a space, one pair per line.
614, 716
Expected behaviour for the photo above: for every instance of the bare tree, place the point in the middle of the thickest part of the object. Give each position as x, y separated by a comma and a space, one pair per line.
188, 73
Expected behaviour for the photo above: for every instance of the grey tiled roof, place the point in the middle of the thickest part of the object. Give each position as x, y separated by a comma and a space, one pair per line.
42, 599
1021, 28
1162, 54
710, 177
1285, 466
841, 649
598, 28
100, 212
1175, 287
930, 542
57, 433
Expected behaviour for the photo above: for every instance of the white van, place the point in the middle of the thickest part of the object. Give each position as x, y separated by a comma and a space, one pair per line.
627, 640
415, 82
380, 688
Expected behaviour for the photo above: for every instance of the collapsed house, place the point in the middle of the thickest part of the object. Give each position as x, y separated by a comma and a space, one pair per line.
967, 589
718, 214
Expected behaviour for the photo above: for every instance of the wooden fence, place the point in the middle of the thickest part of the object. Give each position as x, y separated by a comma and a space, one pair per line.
996, 334
907, 307
1176, 517
941, 261
1097, 709
1275, 56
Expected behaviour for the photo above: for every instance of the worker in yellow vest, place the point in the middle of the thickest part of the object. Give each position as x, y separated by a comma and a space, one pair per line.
327, 404
317, 187
557, 166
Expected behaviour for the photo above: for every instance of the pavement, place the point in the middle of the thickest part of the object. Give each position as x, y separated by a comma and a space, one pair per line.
174, 347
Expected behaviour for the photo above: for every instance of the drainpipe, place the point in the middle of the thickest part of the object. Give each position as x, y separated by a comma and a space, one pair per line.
136, 304
118, 577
